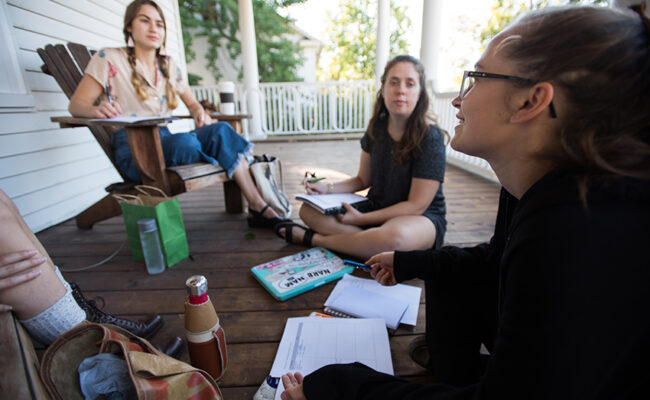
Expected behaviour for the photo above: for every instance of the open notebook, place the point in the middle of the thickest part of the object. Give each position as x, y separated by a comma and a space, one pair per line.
134, 119
366, 298
330, 204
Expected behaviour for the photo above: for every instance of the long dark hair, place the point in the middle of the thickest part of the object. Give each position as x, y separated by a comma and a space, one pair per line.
598, 59
417, 124
163, 61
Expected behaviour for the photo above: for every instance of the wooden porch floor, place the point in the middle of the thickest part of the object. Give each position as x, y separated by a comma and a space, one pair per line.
224, 250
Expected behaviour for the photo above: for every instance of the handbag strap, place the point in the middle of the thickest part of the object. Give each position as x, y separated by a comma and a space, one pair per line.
141, 189
220, 336
128, 198
281, 176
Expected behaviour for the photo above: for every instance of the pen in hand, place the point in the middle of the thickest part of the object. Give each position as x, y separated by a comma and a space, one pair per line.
358, 265
316, 180
108, 94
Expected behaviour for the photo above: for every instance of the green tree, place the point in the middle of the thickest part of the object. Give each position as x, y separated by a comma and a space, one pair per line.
353, 38
504, 11
277, 57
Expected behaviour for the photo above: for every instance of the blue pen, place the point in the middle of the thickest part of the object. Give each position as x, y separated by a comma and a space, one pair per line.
357, 265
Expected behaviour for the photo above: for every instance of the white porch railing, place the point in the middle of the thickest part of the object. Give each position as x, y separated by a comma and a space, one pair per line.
295, 108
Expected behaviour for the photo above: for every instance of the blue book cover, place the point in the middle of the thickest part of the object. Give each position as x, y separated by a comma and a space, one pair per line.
291, 275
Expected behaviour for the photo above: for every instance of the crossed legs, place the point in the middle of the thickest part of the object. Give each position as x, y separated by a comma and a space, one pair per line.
413, 232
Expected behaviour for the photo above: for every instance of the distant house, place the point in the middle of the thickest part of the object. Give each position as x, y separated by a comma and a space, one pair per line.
311, 48
51, 173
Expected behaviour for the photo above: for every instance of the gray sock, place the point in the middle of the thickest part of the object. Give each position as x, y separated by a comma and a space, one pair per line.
58, 318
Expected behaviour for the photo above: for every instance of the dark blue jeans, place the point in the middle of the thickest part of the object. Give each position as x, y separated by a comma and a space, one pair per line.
217, 144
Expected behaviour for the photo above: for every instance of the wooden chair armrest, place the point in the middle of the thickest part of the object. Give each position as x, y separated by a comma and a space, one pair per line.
143, 139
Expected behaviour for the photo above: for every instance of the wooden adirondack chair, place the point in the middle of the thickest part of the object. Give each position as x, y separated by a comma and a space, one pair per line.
144, 143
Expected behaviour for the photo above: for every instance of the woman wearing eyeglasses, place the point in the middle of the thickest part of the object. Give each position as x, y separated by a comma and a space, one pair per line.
558, 105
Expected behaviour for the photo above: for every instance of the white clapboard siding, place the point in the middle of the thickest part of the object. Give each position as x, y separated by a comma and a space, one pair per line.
15, 123
22, 186
30, 142
37, 81
50, 173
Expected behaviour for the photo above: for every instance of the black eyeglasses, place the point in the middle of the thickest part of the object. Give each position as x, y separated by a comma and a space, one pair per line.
469, 80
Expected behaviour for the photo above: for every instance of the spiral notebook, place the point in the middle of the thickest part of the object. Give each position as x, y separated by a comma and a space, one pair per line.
331, 204
354, 297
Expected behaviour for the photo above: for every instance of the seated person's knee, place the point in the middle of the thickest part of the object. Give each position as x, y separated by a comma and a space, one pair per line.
181, 149
395, 238
307, 213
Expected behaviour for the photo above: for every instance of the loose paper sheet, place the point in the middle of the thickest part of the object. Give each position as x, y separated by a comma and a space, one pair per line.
309, 343
406, 293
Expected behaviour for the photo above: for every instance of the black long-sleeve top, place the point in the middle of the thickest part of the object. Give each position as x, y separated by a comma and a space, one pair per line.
573, 287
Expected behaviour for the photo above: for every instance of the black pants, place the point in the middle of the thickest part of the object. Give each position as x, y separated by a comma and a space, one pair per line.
461, 313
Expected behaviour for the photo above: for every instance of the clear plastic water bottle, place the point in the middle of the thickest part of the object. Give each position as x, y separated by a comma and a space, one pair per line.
150, 241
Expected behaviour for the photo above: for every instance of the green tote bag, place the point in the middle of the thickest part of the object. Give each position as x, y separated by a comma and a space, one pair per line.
167, 213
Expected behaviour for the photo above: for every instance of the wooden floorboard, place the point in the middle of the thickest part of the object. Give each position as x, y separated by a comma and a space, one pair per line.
224, 249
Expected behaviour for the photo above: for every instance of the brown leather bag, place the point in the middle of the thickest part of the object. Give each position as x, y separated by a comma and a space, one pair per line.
153, 373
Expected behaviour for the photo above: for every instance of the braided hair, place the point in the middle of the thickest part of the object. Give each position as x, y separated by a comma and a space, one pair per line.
162, 60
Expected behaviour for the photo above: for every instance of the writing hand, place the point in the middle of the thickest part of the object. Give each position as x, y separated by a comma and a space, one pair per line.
292, 387
314, 187
18, 267
382, 268
107, 110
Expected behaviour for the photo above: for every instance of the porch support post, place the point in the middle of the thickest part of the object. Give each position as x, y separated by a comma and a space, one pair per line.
430, 43
251, 73
383, 39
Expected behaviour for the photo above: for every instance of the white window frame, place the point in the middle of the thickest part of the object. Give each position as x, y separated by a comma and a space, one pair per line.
15, 96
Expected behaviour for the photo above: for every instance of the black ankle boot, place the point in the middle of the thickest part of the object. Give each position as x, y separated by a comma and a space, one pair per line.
174, 348
146, 328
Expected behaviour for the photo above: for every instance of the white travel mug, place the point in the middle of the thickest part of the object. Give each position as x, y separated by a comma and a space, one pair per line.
227, 98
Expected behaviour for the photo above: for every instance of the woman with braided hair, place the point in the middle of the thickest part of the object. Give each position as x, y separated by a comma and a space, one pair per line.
143, 81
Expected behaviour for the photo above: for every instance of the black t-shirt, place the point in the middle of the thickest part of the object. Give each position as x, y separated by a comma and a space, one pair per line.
390, 182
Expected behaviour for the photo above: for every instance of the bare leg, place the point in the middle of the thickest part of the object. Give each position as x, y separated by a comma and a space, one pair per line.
400, 233
255, 201
32, 297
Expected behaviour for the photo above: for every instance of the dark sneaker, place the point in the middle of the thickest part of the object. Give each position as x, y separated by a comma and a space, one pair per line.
146, 328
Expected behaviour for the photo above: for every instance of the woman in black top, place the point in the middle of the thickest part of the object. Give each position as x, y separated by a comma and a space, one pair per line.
559, 107
403, 164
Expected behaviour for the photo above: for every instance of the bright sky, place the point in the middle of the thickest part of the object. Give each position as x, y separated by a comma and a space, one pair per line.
311, 16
